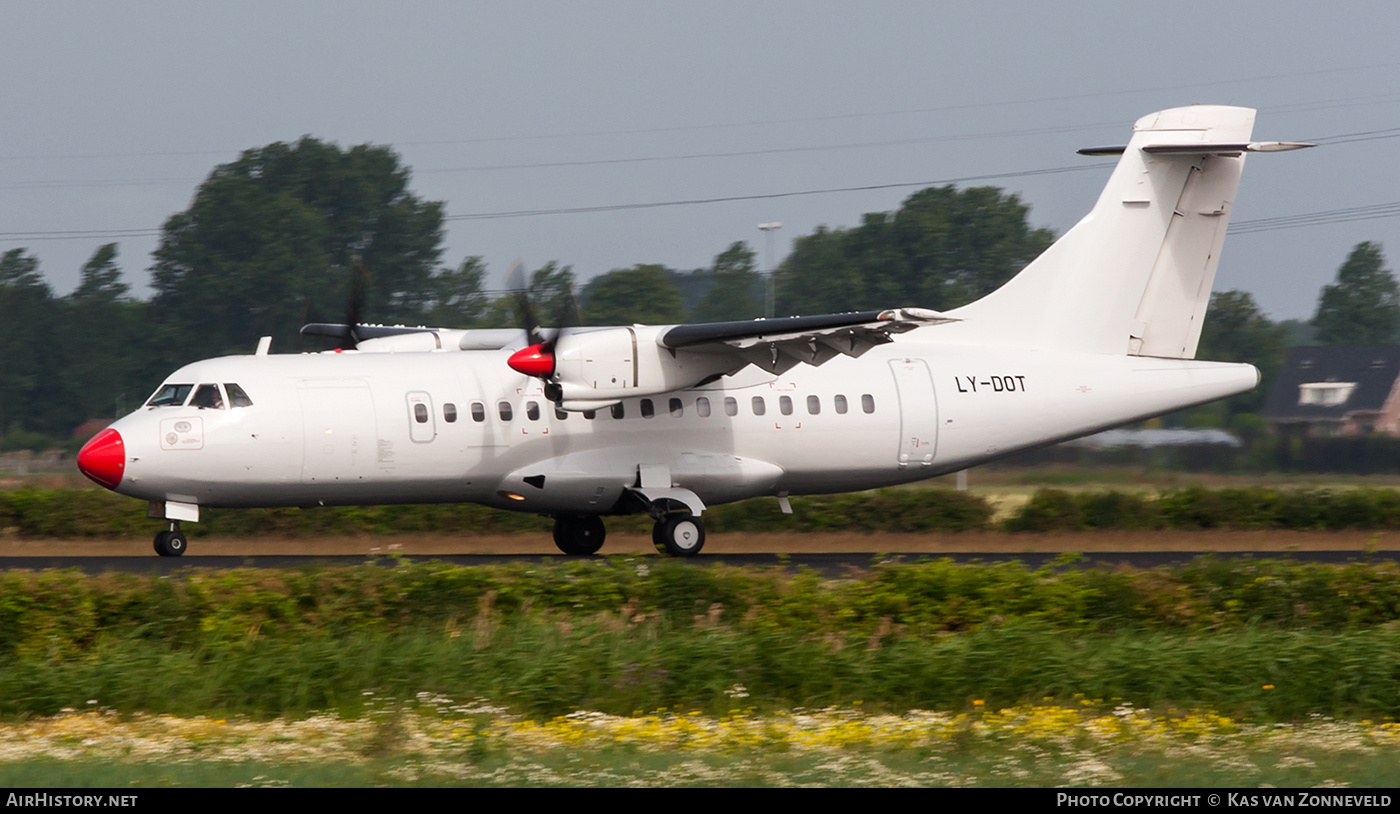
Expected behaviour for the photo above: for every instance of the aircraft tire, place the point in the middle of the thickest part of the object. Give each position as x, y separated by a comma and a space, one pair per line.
682, 535
579, 536
171, 543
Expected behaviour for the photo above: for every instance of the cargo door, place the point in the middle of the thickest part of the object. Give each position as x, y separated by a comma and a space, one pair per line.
338, 430
918, 412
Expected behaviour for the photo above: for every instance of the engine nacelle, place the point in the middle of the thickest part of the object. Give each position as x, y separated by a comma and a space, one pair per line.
595, 367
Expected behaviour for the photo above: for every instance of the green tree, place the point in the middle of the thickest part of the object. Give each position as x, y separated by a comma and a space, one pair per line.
1235, 330
552, 299
104, 378
29, 395
644, 294
459, 300
552, 294
943, 248
1362, 307
281, 227
101, 278
734, 280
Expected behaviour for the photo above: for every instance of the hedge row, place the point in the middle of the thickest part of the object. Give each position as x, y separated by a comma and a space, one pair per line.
1197, 508
78, 513
620, 634
63, 614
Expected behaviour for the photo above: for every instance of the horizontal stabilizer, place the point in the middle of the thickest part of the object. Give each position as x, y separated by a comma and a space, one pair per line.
1205, 149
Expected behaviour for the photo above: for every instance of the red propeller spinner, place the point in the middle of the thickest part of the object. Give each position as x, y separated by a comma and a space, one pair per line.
536, 360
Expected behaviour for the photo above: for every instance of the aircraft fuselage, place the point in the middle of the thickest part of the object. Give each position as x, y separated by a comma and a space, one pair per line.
348, 428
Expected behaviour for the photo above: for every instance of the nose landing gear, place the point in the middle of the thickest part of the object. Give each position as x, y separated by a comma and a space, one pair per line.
171, 543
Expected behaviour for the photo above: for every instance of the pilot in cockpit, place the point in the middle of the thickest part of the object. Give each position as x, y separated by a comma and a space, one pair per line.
207, 398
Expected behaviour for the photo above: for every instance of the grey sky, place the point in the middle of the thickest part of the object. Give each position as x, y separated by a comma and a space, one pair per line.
114, 113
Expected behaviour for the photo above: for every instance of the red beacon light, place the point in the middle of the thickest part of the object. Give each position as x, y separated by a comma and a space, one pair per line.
532, 361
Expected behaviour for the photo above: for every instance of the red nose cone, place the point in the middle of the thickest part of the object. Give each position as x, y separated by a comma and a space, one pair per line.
532, 361
103, 459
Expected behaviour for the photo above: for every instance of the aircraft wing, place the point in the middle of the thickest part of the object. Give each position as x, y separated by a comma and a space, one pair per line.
357, 332
777, 345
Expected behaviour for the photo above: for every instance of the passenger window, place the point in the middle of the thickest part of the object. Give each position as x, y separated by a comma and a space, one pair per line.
731, 406
759, 408
677, 409
648, 410
236, 396
420, 413
814, 405
478, 412
560, 414
840, 404
590, 414
504, 409
449, 413
867, 403
532, 410
207, 398
702, 407
618, 411
171, 395
785, 405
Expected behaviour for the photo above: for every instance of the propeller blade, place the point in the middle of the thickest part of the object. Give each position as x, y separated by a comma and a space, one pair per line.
359, 282
518, 282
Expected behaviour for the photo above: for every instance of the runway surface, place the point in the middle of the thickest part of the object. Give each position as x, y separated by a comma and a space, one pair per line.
829, 553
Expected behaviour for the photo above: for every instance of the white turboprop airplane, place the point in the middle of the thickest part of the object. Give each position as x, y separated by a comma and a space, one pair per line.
578, 423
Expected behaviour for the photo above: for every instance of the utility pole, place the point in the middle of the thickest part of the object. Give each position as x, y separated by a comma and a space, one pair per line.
768, 229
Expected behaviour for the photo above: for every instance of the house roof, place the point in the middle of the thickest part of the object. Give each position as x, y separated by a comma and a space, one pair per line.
1373, 369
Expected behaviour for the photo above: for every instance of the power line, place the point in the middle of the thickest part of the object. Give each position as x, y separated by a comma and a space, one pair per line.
1319, 218
797, 119
88, 234
578, 210
609, 161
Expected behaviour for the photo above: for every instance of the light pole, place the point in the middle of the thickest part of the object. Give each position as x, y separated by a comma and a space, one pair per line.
768, 229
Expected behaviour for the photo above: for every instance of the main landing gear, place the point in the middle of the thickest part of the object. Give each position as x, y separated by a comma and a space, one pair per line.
579, 535
678, 534
171, 543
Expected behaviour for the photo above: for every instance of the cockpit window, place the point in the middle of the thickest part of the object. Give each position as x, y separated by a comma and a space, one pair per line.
207, 398
170, 395
236, 396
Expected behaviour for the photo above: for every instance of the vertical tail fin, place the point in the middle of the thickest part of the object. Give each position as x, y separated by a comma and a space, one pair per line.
1134, 276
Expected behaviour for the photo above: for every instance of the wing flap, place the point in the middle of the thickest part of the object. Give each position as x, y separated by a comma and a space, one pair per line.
778, 345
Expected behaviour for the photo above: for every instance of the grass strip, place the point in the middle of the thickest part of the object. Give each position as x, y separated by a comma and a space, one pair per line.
435, 740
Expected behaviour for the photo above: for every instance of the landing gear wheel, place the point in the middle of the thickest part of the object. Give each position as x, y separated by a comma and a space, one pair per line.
679, 535
171, 543
579, 535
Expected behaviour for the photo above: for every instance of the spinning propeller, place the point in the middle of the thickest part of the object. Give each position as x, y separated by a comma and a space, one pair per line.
349, 333
537, 359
